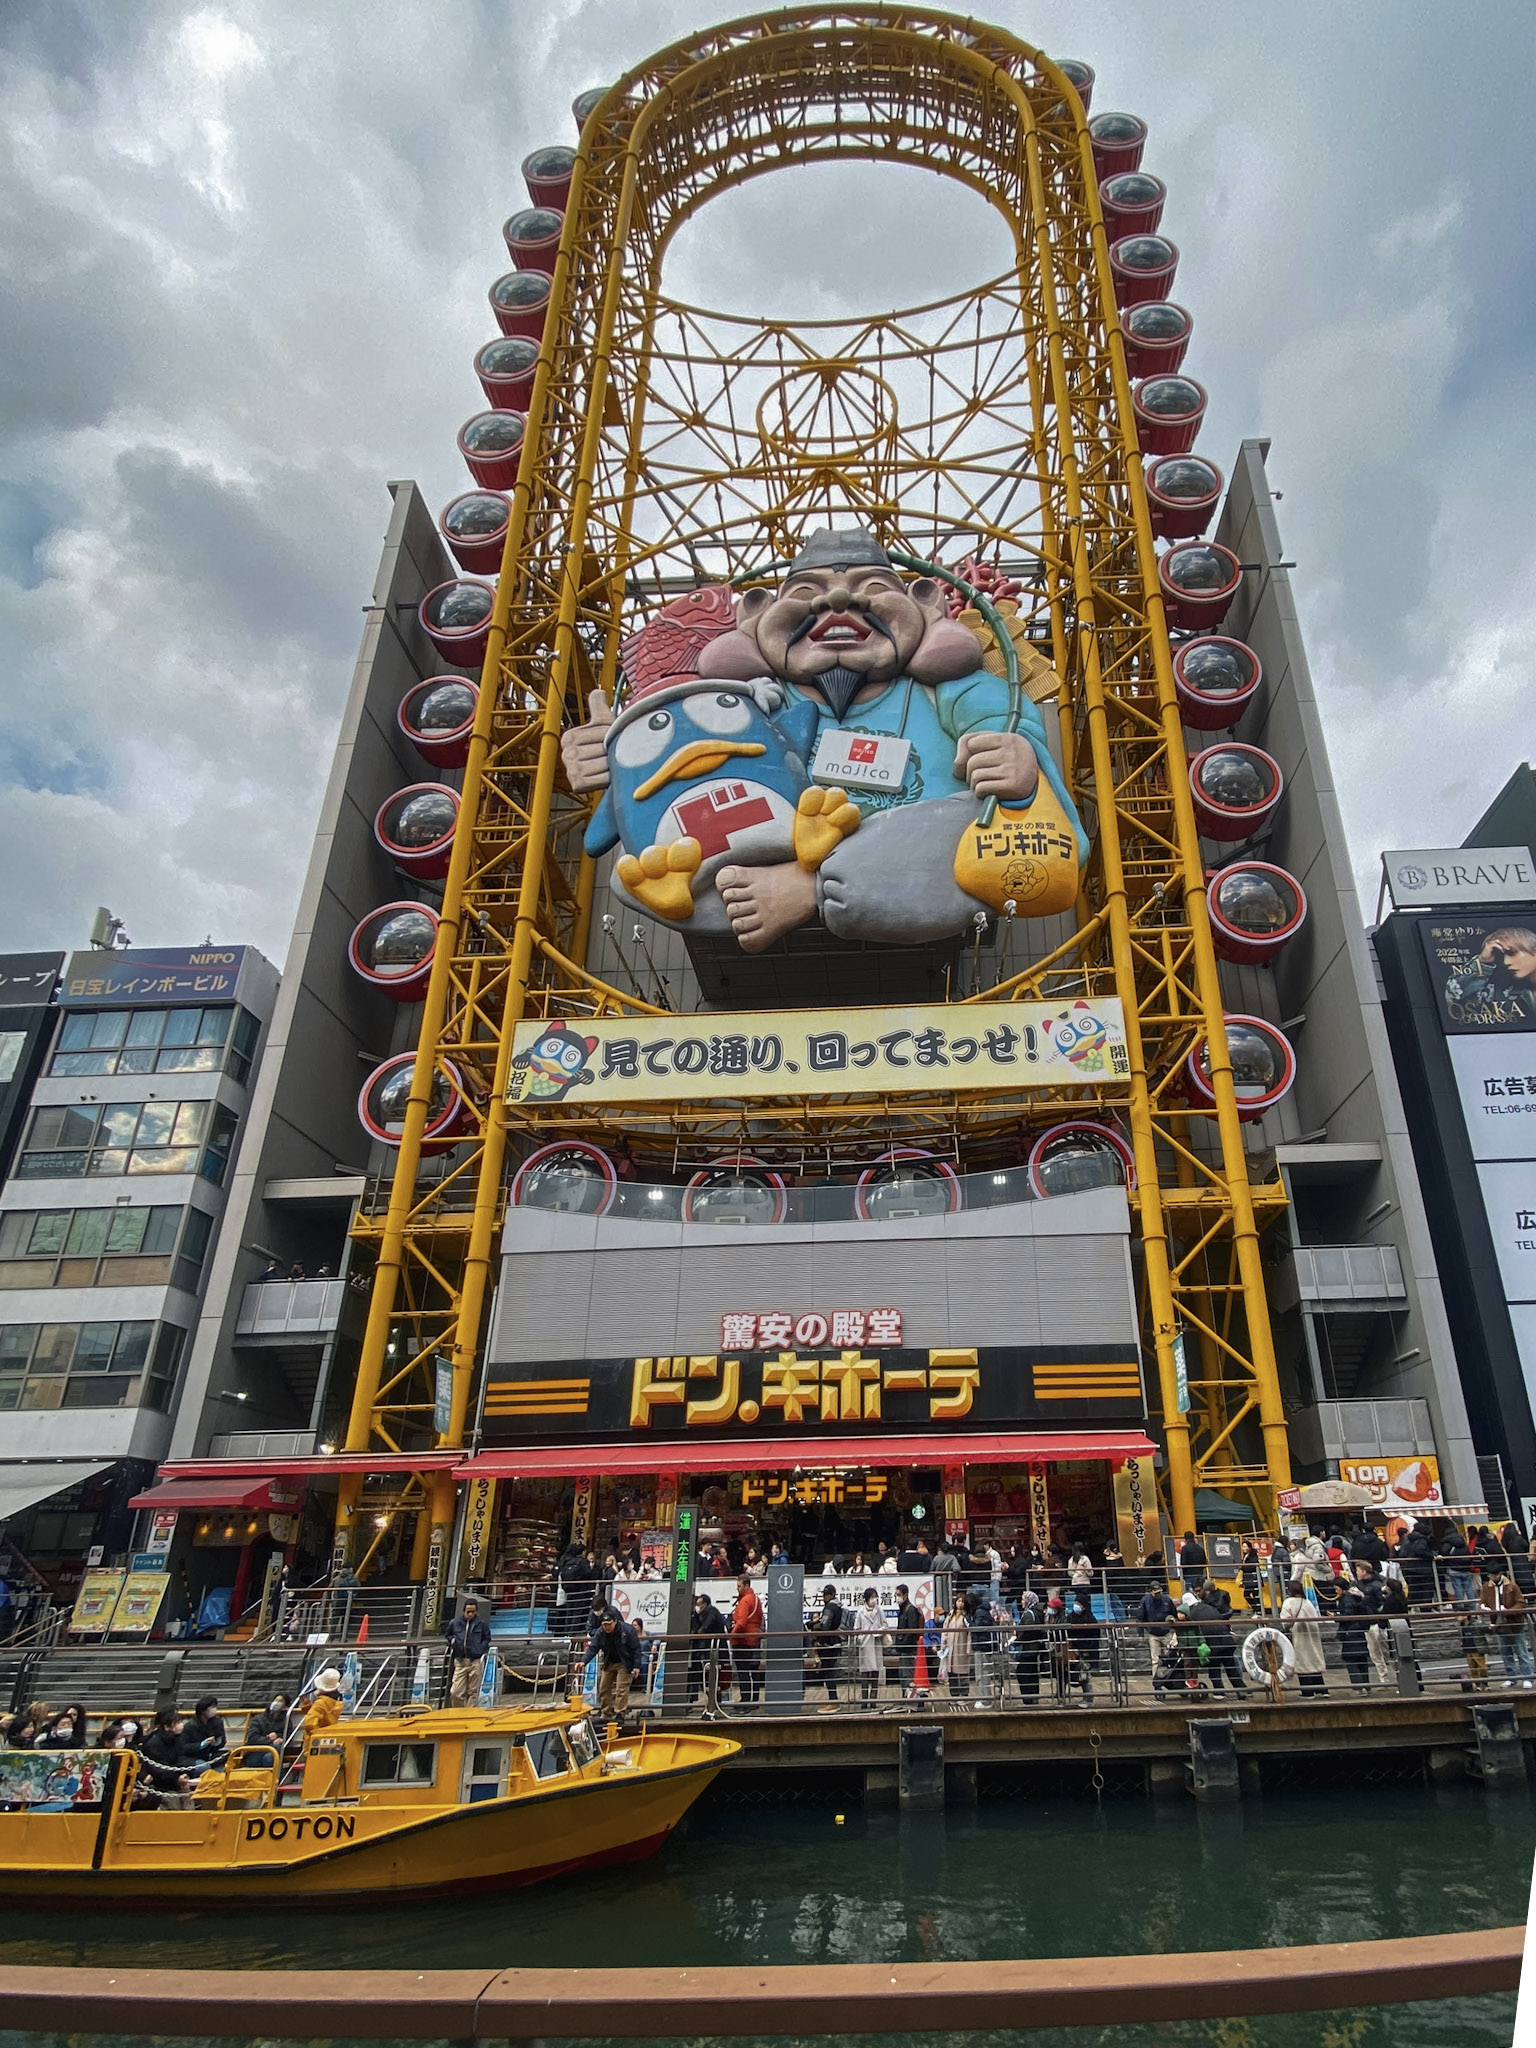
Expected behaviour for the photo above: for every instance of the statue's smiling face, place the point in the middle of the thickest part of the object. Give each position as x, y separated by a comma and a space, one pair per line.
855, 627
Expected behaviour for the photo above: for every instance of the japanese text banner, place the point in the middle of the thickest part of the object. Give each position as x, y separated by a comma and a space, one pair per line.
754, 1055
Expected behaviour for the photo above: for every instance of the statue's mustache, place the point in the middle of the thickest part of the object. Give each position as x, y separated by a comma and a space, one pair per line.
871, 619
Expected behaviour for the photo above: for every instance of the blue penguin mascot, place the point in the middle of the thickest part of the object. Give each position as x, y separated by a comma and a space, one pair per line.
704, 773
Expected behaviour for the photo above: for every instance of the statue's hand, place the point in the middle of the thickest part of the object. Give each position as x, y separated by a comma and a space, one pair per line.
581, 747
1000, 764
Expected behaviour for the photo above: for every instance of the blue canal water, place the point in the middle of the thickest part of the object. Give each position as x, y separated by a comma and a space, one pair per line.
1009, 1878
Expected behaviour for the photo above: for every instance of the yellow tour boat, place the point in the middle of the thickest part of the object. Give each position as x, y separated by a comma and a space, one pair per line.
418, 1802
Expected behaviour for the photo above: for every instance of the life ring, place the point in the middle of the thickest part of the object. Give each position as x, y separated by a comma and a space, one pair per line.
1252, 1663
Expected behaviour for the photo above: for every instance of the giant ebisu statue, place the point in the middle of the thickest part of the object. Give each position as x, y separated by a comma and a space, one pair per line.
837, 751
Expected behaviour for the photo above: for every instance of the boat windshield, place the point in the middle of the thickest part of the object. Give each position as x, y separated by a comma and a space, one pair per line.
546, 1752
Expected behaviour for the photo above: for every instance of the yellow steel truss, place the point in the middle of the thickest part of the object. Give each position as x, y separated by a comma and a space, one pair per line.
667, 446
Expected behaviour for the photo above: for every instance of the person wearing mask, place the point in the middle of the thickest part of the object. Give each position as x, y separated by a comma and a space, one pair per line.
270, 1726
1299, 1619
955, 1657
1156, 1614
909, 1633
747, 1642
869, 1629
207, 1730
826, 1640
1030, 1649
66, 1732
469, 1642
321, 1702
1192, 1559
1067, 1668
616, 1648
707, 1630
1506, 1609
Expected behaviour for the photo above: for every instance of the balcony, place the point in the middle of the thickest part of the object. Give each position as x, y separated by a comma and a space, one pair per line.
1324, 1279
1361, 1429
264, 1443
290, 1308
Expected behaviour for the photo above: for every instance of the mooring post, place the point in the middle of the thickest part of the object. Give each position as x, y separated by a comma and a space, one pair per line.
1213, 1772
921, 1768
1499, 1759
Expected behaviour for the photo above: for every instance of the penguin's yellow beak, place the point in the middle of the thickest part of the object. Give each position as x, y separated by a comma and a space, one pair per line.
699, 757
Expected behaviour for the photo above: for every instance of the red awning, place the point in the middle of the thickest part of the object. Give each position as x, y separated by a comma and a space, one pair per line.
818, 1453
216, 1493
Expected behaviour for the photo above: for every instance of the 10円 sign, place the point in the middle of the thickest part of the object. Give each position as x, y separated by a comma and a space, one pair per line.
758, 1055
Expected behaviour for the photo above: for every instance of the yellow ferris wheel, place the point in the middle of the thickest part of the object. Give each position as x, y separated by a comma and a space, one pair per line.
988, 443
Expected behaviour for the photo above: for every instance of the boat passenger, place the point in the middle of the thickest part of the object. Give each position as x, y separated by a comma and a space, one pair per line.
67, 1732
159, 1784
21, 1732
168, 1743
271, 1725
324, 1696
208, 1730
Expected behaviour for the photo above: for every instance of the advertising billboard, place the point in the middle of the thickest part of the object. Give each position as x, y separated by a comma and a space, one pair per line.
1429, 878
1483, 970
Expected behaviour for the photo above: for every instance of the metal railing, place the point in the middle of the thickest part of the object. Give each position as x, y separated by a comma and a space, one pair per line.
289, 1308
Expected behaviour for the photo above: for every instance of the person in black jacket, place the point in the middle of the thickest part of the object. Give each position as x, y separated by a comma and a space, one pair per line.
67, 1732
1031, 1651
1016, 1577
707, 1625
269, 1726
909, 1633
207, 1730
1192, 1559
168, 1743
469, 1640
1157, 1614
1206, 1620
1359, 1604
1416, 1555
617, 1649
826, 1634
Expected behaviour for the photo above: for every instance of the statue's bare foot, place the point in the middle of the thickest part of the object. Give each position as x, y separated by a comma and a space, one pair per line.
765, 903
823, 819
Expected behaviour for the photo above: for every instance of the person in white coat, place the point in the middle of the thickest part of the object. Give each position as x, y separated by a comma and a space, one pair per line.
869, 1630
1299, 1619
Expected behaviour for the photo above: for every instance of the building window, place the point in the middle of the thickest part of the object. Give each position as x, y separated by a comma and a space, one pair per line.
191, 1041
87, 1365
112, 1247
99, 1140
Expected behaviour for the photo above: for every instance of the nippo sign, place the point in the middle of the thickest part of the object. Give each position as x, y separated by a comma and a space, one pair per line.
814, 1328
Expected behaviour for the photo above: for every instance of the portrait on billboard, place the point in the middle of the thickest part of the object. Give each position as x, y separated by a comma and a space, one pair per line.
1483, 970
841, 750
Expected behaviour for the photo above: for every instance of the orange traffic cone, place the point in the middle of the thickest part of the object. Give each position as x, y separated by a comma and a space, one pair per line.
362, 1632
920, 1669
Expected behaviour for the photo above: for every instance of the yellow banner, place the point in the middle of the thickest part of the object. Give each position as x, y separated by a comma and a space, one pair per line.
755, 1055
139, 1603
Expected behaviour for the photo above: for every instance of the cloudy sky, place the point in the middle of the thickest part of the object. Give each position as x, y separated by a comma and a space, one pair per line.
243, 255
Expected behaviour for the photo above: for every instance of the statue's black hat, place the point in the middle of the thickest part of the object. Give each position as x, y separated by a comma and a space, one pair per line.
841, 547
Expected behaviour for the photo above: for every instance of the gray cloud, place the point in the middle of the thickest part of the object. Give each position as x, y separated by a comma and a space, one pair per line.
244, 249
